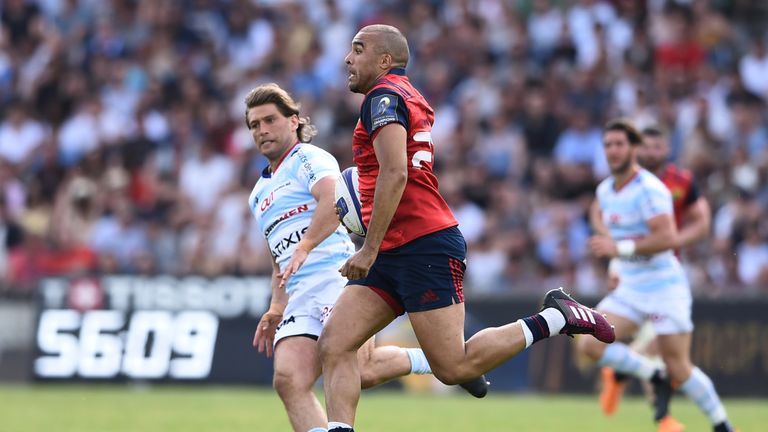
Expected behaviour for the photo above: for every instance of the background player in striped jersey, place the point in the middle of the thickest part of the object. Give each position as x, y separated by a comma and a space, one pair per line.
413, 256
293, 204
637, 210
692, 217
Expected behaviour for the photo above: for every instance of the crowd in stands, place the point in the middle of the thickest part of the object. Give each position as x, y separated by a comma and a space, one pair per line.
123, 146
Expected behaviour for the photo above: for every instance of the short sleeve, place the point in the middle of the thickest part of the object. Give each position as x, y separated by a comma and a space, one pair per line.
314, 164
693, 195
655, 201
382, 107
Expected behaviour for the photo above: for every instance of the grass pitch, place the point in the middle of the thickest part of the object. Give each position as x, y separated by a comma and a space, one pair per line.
107, 408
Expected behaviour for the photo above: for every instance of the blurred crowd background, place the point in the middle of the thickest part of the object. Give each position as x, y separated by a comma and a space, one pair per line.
123, 146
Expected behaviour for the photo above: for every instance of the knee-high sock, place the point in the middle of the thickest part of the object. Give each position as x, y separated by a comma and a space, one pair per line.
702, 392
623, 359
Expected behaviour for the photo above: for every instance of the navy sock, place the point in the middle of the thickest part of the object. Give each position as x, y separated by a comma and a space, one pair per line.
538, 327
723, 427
621, 377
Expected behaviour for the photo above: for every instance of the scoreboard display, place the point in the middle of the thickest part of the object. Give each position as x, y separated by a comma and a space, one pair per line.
144, 328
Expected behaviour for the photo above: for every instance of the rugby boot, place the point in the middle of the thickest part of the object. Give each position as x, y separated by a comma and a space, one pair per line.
668, 424
477, 387
612, 391
579, 319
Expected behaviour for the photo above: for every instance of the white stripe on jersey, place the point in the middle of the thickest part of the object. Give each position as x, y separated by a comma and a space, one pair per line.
625, 214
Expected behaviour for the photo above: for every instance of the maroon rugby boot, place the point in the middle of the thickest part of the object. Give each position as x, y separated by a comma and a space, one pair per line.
579, 319
477, 387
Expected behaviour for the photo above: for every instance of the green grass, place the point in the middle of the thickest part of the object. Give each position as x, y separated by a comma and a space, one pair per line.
167, 409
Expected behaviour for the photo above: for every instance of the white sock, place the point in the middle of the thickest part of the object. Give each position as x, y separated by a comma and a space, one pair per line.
318, 429
623, 359
527, 333
555, 320
332, 425
419, 363
702, 392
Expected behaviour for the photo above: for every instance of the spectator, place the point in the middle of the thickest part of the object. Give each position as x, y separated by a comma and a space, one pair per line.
752, 254
578, 151
125, 118
20, 136
120, 238
203, 177
753, 68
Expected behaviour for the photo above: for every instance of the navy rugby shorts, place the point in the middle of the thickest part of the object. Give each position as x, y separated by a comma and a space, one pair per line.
424, 274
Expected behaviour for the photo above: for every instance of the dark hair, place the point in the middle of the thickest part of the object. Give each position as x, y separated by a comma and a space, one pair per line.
624, 125
653, 131
273, 94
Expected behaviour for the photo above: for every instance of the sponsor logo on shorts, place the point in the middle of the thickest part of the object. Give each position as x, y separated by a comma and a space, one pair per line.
290, 319
325, 313
428, 297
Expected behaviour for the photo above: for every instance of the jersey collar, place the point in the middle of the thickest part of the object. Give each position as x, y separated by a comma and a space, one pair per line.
397, 71
617, 187
266, 173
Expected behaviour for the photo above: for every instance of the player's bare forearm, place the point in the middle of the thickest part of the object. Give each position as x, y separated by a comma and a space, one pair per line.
389, 190
391, 153
663, 236
698, 220
324, 221
279, 295
264, 337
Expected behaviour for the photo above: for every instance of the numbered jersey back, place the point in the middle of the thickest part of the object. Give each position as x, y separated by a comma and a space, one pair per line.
421, 210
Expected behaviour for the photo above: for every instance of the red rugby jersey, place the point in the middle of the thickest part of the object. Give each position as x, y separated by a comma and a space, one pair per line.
684, 192
422, 210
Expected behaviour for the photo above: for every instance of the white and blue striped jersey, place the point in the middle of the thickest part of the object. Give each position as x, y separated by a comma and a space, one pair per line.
625, 213
283, 206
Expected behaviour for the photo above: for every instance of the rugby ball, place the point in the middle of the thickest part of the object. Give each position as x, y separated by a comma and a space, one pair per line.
348, 201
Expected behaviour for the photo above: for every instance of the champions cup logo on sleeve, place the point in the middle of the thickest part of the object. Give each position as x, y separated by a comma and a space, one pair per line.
383, 105
383, 110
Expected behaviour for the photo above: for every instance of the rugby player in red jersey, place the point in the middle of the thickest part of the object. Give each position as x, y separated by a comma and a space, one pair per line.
692, 211
413, 258
293, 206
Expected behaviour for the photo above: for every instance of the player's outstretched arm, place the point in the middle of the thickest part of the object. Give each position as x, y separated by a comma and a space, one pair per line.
390, 148
324, 222
698, 219
265, 330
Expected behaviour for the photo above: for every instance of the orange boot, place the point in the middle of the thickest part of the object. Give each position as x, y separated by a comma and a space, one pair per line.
668, 424
612, 391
